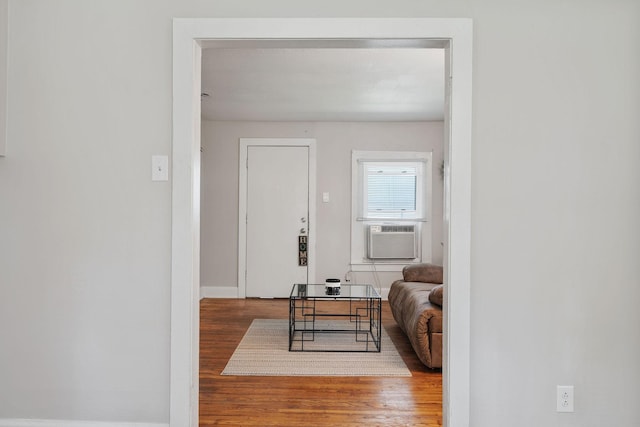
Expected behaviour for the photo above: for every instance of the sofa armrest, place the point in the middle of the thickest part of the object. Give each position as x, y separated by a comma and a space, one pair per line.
436, 295
419, 319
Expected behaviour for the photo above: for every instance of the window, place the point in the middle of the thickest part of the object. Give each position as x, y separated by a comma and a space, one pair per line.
390, 188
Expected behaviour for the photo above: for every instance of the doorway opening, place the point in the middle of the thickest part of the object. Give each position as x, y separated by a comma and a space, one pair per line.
188, 38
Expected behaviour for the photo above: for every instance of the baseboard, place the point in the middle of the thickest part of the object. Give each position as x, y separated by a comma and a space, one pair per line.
232, 292
72, 423
217, 292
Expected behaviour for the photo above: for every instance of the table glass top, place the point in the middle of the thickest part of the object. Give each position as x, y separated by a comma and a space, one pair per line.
346, 291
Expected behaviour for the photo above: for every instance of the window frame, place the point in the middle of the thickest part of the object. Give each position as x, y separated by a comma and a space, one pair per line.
360, 221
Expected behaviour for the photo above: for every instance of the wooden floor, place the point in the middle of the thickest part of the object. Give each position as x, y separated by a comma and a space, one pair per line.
305, 401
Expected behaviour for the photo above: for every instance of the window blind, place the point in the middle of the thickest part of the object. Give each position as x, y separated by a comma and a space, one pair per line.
391, 188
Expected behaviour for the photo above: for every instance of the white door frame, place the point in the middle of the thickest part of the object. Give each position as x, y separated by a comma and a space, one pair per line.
245, 143
456, 37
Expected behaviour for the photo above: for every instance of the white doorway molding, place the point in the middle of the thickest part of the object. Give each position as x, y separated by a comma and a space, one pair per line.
455, 35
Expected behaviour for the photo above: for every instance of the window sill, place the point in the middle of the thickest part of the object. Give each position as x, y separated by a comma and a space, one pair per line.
390, 220
379, 266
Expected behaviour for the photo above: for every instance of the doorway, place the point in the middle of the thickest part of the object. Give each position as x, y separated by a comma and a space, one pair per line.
188, 34
276, 211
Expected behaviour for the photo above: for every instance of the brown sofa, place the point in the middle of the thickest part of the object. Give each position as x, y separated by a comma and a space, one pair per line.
416, 305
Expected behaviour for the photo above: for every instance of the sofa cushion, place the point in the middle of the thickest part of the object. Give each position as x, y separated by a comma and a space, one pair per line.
435, 295
426, 273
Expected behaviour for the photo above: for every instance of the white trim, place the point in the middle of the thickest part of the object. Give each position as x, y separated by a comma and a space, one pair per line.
378, 266
72, 423
218, 292
245, 143
457, 227
358, 249
185, 229
456, 35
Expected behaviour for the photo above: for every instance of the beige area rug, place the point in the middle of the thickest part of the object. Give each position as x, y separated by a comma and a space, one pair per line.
264, 351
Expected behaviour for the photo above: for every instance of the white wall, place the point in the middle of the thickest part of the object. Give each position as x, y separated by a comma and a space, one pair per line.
335, 141
4, 32
556, 213
84, 233
85, 239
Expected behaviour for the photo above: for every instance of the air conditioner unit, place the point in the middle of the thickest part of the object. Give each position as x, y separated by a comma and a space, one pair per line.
392, 242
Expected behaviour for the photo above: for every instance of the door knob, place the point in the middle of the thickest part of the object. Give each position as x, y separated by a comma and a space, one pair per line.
303, 220
303, 230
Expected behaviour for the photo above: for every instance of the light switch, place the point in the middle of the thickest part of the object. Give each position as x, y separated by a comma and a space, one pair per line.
159, 168
325, 197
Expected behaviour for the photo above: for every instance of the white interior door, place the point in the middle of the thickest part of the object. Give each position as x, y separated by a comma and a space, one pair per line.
277, 215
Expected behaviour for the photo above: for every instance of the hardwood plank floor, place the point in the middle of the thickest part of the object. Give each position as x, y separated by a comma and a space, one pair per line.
309, 401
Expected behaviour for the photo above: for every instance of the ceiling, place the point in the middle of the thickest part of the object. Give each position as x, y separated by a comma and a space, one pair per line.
329, 83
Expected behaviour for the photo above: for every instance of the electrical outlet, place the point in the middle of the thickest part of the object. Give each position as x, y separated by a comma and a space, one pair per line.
565, 398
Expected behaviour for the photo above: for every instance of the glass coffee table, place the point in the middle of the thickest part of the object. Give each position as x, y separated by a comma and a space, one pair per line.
348, 321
